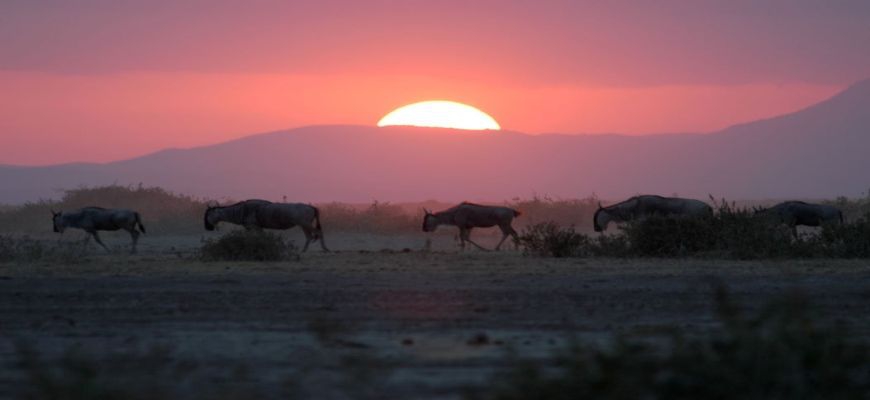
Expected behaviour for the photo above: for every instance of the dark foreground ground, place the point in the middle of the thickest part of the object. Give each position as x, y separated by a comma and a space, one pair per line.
371, 324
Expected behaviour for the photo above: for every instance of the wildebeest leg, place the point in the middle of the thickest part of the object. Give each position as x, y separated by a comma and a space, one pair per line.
134, 234
322, 242
308, 237
97, 238
504, 236
509, 231
467, 238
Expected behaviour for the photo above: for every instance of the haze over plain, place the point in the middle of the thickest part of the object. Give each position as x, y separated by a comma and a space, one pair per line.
102, 81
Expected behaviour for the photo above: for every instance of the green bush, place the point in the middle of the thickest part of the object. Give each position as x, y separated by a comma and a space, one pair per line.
779, 353
248, 245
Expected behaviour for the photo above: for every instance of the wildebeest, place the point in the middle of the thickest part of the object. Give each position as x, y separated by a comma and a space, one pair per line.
794, 213
262, 214
643, 206
93, 219
466, 216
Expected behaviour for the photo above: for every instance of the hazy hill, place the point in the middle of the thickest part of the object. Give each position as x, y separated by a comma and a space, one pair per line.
821, 151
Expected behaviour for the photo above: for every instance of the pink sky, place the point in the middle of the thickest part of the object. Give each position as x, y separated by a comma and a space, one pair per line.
105, 80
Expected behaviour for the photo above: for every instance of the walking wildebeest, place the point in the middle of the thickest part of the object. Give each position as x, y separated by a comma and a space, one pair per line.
643, 206
794, 213
262, 214
466, 216
93, 219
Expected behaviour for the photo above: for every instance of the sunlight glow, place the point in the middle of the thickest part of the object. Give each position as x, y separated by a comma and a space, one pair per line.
440, 114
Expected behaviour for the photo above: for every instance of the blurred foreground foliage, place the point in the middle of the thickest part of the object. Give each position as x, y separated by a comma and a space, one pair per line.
780, 352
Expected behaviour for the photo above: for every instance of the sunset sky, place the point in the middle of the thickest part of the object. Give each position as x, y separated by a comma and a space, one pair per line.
107, 80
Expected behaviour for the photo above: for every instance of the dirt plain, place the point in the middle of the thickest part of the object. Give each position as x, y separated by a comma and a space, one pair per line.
380, 317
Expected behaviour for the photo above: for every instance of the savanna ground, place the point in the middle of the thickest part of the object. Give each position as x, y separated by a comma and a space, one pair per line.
396, 313
380, 317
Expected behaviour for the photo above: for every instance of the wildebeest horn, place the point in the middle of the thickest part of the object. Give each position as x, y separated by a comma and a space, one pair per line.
599, 205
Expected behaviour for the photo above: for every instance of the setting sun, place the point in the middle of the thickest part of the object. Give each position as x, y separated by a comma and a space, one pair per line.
440, 114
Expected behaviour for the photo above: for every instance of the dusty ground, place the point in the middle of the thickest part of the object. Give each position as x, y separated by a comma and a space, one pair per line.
369, 323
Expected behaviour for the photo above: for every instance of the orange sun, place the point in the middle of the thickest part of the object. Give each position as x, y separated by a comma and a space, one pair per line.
440, 114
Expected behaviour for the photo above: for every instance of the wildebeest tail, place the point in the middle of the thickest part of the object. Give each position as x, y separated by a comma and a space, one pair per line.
139, 222
841, 216
317, 226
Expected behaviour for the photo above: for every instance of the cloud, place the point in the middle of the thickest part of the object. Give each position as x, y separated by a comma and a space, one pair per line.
625, 44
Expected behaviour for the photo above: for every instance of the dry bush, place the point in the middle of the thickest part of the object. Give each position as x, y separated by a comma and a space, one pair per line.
730, 233
850, 240
853, 209
548, 239
248, 245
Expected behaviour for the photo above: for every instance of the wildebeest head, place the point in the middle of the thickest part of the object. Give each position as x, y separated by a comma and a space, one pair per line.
429, 221
600, 219
57, 221
209, 218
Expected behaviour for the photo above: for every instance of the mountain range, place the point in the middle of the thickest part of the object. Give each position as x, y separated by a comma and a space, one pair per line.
818, 152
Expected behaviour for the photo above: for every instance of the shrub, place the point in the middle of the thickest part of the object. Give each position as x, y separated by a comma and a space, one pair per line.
245, 245
611, 246
853, 209
548, 239
850, 240
779, 353
730, 233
